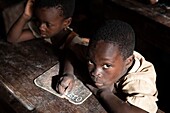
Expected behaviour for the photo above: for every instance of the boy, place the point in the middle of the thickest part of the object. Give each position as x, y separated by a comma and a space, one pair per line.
122, 79
47, 19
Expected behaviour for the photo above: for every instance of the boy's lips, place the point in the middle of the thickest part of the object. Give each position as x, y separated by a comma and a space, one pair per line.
98, 84
43, 35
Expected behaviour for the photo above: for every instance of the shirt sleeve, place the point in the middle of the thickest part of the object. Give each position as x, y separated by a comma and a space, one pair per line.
80, 40
141, 92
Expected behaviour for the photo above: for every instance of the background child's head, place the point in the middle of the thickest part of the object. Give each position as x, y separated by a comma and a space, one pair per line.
119, 33
53, 17
66, 6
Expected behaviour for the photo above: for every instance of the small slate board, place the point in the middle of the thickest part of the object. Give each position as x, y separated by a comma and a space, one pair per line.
77, 95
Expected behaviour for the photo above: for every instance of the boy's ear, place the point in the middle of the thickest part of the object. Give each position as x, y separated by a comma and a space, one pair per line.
67, 22
129, 61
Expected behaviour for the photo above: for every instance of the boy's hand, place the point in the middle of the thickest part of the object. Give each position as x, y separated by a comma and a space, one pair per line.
97, 92
93, 89
65, 84
29, 9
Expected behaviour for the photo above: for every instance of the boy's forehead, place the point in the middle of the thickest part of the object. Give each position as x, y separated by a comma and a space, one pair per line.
103, 50
101, 45
48, 10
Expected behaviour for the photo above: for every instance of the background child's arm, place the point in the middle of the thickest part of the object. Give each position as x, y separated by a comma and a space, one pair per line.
17, 33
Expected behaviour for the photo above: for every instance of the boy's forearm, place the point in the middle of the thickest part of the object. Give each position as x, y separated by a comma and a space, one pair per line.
15, 31
68, 68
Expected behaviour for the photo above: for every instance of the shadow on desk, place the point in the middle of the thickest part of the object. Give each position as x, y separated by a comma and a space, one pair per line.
20, 64
5, 107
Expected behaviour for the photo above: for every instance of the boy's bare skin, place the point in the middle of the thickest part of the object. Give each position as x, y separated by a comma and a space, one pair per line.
49, 21
107, 65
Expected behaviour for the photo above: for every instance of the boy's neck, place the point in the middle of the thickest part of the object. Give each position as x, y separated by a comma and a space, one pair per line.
60, 38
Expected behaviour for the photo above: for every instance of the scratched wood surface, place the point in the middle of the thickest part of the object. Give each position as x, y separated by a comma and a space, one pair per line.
20, 64
150, 23
154, 12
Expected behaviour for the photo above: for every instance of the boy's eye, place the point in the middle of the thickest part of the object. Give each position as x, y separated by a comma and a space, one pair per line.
90, 62
48, 24
106, 66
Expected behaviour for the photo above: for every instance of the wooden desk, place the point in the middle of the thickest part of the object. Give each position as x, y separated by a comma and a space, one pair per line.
153, 12
20, 64
150, 23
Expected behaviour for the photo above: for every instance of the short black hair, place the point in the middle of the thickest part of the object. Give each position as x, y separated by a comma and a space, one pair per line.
66, 6
119, 33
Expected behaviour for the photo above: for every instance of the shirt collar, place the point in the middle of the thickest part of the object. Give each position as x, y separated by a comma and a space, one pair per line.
135, 66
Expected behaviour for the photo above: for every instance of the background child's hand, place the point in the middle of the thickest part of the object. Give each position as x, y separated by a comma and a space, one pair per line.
29, 9
65, 84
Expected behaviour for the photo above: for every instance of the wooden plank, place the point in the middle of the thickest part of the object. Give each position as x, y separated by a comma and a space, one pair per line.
151, 11
20, 65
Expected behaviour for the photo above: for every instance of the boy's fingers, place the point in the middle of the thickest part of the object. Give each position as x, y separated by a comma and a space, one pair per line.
61, 89
68, 88
92, 88
65, 86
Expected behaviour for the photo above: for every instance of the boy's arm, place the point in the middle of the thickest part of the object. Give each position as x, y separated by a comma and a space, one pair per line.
66, 81
73, 55
17, 32
112, 103
116, 105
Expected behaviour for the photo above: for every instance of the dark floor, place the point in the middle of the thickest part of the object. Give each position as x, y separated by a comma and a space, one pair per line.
5, 108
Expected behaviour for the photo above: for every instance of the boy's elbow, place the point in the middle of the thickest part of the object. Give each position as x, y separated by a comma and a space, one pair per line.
11, 40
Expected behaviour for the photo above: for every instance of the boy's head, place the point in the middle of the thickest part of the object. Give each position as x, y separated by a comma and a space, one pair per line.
53, 16
66, 6
111, 53
118, 33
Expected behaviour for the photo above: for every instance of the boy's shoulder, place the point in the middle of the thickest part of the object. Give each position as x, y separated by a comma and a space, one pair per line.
73, 39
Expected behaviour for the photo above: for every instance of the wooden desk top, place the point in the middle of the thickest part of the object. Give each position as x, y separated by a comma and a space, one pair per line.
153, 12
150, 23
20, 64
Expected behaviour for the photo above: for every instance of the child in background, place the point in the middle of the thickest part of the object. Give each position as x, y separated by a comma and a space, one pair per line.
123, 80
47, 19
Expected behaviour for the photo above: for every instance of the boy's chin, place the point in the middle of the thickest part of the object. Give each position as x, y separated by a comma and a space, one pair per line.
44, 36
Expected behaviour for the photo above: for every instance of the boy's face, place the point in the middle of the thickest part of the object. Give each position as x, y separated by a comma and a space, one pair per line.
49, 21
106, 65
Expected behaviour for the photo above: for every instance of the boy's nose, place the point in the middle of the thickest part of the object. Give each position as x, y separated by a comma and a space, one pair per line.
97, 72
42, 27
